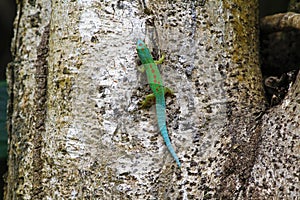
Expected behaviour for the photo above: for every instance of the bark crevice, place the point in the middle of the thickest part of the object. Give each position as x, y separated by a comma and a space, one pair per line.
40, 100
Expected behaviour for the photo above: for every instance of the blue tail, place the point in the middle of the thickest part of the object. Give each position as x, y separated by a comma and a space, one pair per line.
161, 119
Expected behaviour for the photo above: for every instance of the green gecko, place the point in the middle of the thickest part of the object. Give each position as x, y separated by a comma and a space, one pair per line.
156, 85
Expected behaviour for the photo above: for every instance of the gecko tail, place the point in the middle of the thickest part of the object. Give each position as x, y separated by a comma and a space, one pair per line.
161, 118
169, 146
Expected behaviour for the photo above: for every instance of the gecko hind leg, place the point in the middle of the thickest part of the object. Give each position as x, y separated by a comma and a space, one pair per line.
150, 98
168, 92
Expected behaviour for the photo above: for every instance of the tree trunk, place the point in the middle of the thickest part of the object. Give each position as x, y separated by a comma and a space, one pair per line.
75, 128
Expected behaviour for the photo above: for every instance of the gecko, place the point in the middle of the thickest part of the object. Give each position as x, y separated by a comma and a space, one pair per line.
158, 89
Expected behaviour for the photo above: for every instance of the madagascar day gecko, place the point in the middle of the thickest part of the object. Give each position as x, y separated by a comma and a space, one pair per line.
156, 85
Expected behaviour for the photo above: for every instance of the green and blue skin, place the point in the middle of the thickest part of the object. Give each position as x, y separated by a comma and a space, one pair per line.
156, 85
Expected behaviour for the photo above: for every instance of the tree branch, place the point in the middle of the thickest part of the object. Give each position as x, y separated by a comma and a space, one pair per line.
280, 22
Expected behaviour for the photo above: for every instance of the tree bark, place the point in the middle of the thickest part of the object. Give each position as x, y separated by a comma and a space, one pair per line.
75, 129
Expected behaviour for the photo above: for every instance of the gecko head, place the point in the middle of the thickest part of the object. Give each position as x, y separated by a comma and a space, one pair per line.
143, 52
140, 45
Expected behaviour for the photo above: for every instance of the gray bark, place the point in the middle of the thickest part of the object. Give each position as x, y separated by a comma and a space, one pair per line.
75, 129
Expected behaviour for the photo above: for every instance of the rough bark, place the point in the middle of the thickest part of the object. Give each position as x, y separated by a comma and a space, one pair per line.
75, 129
27, 80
